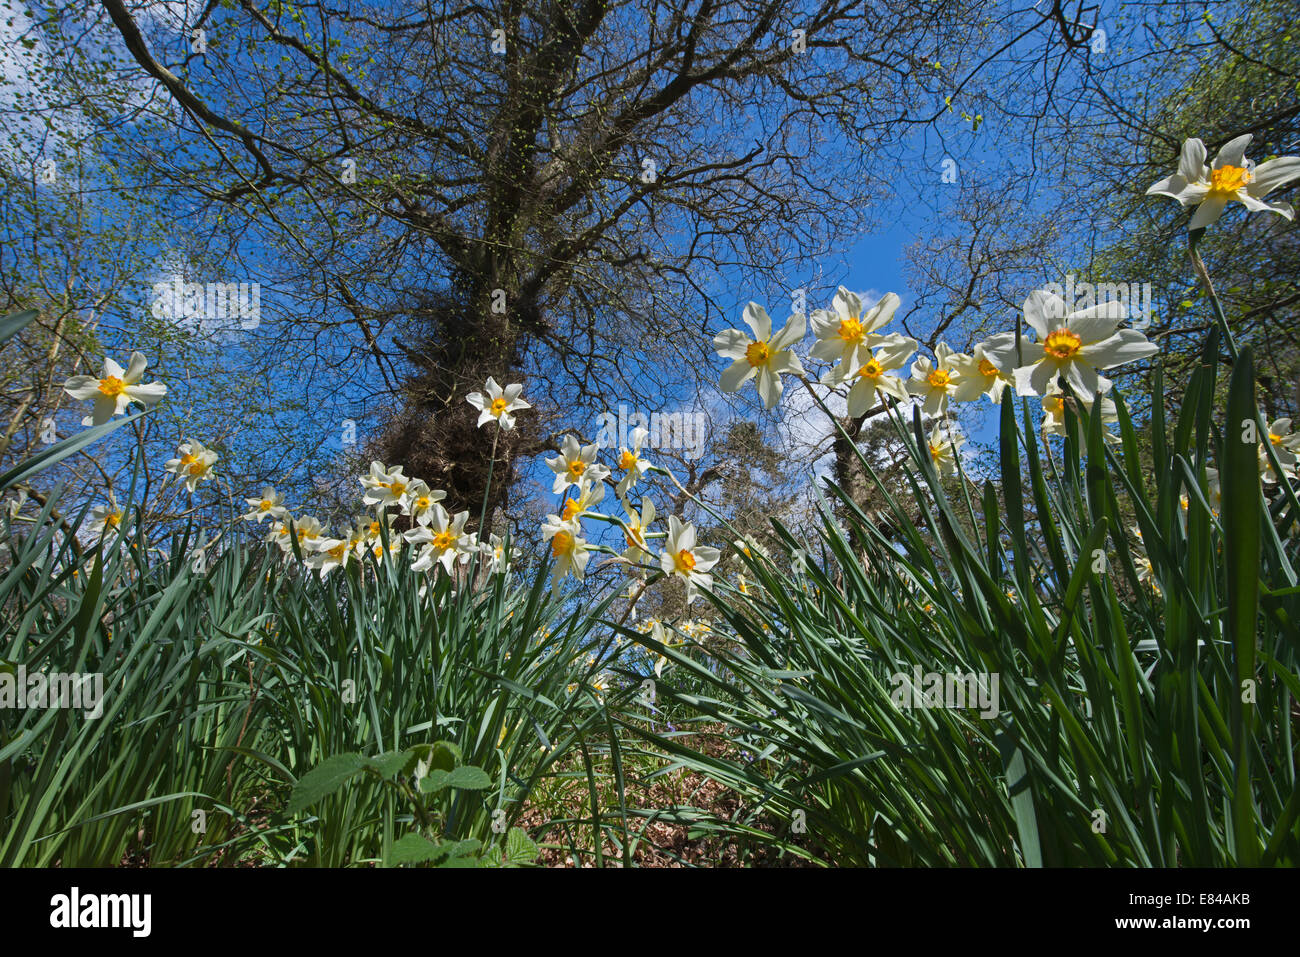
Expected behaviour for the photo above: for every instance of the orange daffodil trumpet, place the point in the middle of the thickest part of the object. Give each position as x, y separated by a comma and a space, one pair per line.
764, 358
1071, 345
1231, 177
114, 389
498, 404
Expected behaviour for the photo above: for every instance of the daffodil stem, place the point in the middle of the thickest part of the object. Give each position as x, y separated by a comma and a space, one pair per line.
487, 489
1203, 274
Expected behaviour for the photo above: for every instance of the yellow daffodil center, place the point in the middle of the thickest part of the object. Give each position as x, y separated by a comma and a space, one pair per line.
758, 354
187, 459
1275, 438
113, 519
337, 551
374, 528
684, 560
422, 503
571, 508
196, 468
1062, 344
398, 489
111, 386
871, 369
939, 378
988, 369
936, 451
577, 467
632, 535
1054, 404
444, 540
561, 544
851, 330
499, 406
627, 460
1226, 180
265, 505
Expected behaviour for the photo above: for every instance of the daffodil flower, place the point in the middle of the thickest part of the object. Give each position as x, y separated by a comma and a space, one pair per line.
637, 551
114, 389
308, 530
1054, 419
765, 357
384, 486
444, 540
846, 332
589, 495
328, 554
498, 557
1285, 445
683, 559
270, 504
575, 463
1074, 346
978, 375
104, 517
1230, 177
871, 379
193, 463
498, 404
935, 382
280, 533
630, 462
419, 500
568, 548
943, 446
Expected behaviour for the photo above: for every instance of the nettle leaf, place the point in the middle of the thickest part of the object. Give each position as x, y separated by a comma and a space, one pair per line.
466, 778
323, 780
469, 778
444, 756
520, 848
393, 763
416, 849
